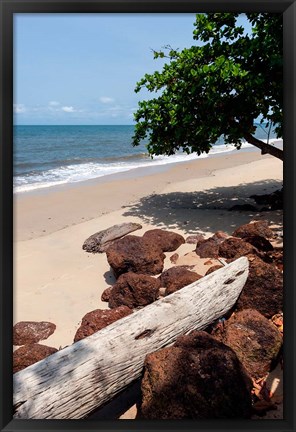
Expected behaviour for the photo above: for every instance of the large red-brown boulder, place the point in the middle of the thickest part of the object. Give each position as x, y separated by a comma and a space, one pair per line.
30, 332
254, 339
133, 290
197, 378
259, 228
136, 254
29, 354
236, 248
168, 241
208, 248
263, 290
261, 243
176, 278
98, 319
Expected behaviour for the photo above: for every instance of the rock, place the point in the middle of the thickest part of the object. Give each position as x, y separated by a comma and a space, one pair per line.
30, 332
136, 254
174, 258
263, 290
134, 290
220, 236
261, 243
261, 407
208, 248
243, 207
274, 200
236, 248
260, 199
197, 378
259, 228
98, 319
194, 239
276, 258
176, 278
254, 339
29, 354
106, 294
168, 241
213, 268
100, 241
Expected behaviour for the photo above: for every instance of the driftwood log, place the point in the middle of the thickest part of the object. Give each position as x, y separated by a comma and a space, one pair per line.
100, 241
80, 378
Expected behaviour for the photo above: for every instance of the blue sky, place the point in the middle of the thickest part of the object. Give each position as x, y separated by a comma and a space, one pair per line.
83, 68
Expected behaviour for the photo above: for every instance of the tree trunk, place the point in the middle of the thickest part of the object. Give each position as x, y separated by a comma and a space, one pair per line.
264, 147
78, 379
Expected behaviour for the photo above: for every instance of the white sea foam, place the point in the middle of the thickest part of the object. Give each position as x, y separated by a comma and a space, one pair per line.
80, 172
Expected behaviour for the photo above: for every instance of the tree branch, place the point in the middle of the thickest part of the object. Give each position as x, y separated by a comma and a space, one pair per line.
264, 147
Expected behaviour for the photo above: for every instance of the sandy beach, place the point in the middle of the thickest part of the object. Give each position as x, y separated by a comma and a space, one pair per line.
56, 281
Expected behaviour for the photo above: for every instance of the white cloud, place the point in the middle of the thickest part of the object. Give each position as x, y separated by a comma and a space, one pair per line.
54, 103
68, 109
116, 108
19, 108
106, 99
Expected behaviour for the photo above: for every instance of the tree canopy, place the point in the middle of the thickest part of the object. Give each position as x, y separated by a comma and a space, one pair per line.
217, 88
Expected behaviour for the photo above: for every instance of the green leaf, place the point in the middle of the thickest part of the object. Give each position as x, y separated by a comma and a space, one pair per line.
218, 86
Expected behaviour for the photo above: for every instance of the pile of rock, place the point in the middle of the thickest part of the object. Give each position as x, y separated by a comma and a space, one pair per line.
264, 287
206, 374
136, 261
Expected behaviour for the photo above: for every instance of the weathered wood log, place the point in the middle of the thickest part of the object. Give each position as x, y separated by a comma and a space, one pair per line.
78, 379
100, 241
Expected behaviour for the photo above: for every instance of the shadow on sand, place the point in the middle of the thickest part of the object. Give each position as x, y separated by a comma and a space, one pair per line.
205, 210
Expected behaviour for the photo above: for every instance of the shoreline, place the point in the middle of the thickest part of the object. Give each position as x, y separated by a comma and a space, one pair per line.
31, 220
135, 172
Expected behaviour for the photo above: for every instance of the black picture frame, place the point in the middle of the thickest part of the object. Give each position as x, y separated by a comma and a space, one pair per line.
8, 8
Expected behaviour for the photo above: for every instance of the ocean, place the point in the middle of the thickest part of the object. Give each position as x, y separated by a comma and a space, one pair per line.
47, 156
